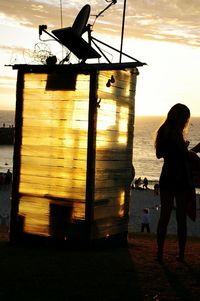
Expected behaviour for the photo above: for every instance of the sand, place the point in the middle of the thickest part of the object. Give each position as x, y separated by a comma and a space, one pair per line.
128, 273
140, 199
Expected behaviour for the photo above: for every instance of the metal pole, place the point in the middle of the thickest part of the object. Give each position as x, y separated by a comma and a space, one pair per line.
122, 34
61, 24
61, 17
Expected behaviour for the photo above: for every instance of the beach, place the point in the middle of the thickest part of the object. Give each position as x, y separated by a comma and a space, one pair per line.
5, 204
41, 272
107, 274
139, 199
146, 198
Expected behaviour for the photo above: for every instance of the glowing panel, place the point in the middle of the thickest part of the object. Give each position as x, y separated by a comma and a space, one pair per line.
53, 151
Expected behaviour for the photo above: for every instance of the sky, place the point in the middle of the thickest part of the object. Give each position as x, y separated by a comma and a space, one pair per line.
161, 33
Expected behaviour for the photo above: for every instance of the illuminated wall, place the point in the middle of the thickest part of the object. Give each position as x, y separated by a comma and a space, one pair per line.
53, 151
114, 144
73, 152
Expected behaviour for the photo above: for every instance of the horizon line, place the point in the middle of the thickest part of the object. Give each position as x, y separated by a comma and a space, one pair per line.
136, 115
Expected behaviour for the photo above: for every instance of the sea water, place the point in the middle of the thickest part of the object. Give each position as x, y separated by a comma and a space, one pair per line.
144, 160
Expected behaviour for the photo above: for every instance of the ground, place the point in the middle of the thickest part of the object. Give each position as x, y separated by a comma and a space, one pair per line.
171, 280
34, 273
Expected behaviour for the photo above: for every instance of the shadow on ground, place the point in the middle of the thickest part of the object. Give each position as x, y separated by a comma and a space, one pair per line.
43, 272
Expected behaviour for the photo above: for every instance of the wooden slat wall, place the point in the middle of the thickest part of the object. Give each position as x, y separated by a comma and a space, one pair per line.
115, 123
53, 151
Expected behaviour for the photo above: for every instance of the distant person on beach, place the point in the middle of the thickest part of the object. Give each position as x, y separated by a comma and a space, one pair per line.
145, 222
133, 176
138, 183
145, 183
175, 181
156, 189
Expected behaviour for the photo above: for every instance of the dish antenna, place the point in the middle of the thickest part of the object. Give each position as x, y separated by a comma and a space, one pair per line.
71, 36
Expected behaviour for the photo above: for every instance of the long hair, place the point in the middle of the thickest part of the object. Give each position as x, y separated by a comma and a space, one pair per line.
175, 124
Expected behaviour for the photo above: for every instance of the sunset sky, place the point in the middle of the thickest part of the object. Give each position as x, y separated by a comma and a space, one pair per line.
164, 34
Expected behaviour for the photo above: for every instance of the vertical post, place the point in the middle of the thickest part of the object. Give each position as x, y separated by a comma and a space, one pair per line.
16, 156
122, 34
130, 140
61, 17
61, 24
91, 154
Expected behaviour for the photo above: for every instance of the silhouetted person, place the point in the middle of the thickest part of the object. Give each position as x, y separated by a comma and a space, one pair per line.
156, 189
133, 176
175, 180
145, 183
138, 183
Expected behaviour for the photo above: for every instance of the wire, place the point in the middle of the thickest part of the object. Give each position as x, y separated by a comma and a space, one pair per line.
112, 2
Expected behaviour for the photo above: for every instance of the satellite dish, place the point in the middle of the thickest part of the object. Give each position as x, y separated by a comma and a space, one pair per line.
81, 20
71, 36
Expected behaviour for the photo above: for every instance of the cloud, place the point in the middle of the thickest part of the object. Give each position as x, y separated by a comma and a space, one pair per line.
6, 78
174, 21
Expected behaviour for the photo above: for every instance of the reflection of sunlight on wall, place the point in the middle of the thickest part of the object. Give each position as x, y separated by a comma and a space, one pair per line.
101, 142
123, 123
79, 212
106, 114
78, 120
82, 143
121, 203
36, 215
53, 157
54, 152
82, 83
106, 121
127, 89
68, 141
122, 139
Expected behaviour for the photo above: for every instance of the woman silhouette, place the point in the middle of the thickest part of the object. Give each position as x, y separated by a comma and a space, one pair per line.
175, 180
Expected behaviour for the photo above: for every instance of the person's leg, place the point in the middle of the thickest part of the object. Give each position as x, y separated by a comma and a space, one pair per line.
166, 199
181, 217
142, 228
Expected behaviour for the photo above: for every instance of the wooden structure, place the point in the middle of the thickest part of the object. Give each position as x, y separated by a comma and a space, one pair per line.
73, 151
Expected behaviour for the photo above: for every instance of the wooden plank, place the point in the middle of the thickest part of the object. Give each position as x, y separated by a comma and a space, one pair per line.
64, 183
56, 191
56, 152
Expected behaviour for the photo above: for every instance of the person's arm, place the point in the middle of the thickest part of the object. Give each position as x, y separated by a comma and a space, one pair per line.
196, 148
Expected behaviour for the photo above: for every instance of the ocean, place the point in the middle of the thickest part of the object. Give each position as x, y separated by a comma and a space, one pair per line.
144, 160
